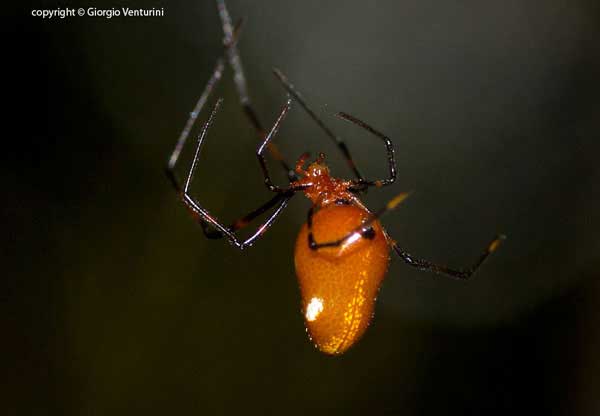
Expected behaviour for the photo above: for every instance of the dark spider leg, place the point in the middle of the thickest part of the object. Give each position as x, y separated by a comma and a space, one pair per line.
265, 143
245, 220
281, 193
366, 231
363, 231
210, 85
248, 218
337, 140
232, 38
204, 217
362, 184
174, 158
239, 79
462, 274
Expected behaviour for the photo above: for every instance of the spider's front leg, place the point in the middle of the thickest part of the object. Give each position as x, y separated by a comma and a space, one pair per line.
205, 218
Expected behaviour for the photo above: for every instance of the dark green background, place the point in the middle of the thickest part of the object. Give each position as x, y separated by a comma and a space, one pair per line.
116, 304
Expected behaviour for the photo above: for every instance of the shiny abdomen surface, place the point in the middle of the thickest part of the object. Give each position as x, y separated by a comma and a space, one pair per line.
339, 285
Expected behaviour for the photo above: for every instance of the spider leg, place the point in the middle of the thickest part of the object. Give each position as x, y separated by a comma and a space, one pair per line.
205, 218
336, 139
462, 274
230, 44
189, 124
362, 184
265, 144
239, 78
174, 157
363, 231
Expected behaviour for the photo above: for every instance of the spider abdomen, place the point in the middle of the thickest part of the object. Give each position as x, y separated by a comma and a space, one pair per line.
339, 284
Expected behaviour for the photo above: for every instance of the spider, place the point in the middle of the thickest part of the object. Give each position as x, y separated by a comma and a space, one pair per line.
342, 251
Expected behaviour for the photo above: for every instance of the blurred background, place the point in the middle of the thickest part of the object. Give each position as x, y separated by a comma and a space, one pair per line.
116, 304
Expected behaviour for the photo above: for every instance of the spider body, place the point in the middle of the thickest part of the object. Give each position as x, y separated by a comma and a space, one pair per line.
342, 251
339, 285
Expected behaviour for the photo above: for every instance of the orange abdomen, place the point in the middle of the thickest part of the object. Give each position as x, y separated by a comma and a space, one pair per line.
339, 285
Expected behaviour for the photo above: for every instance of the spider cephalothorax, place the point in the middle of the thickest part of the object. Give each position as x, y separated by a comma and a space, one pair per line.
318, 185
